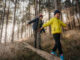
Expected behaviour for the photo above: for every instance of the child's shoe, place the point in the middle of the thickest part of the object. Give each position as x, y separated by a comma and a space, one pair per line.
61, 57
54, 53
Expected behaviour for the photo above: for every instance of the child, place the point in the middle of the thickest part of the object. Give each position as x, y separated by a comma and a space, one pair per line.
56, 29
37, 23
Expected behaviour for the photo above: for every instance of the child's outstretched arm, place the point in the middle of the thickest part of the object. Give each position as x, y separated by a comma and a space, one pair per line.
63, 24
47, 23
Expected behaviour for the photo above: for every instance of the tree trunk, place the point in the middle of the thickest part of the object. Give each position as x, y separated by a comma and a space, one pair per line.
36, 14
1, 28
22, 23
36, 7
77, 2
49, 16
3, 15
12, 40
7, 23
55, 3
29, 19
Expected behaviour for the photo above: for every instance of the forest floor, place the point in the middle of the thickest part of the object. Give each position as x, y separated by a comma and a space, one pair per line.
70, 42
17, 51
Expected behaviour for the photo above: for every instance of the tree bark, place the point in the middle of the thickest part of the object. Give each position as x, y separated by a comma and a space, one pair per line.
12, 40
3, 15
7, 23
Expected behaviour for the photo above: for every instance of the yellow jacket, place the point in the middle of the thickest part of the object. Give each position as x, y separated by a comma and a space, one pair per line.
56, 25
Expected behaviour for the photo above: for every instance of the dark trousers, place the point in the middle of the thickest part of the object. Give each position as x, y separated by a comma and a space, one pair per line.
57, 43
37, 39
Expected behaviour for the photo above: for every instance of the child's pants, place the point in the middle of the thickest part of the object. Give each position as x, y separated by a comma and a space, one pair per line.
57, 43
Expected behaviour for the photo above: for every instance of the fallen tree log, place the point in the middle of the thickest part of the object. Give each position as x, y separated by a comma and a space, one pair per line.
42, 53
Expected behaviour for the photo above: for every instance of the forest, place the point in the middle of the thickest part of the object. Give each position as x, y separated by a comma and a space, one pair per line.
16, 37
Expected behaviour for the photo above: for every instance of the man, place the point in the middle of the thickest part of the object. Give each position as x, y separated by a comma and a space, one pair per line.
56, 29
37, 24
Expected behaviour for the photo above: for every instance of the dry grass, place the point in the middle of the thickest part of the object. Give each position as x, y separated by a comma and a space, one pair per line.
17, 51
70, 43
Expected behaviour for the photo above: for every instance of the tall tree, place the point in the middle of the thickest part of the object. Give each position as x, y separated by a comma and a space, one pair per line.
12, 40
18, 22
22, 22
1, 13
78, 10
7, 22
2, 21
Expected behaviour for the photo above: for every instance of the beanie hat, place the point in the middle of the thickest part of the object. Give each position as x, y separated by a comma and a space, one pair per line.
56, 11
40, 15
